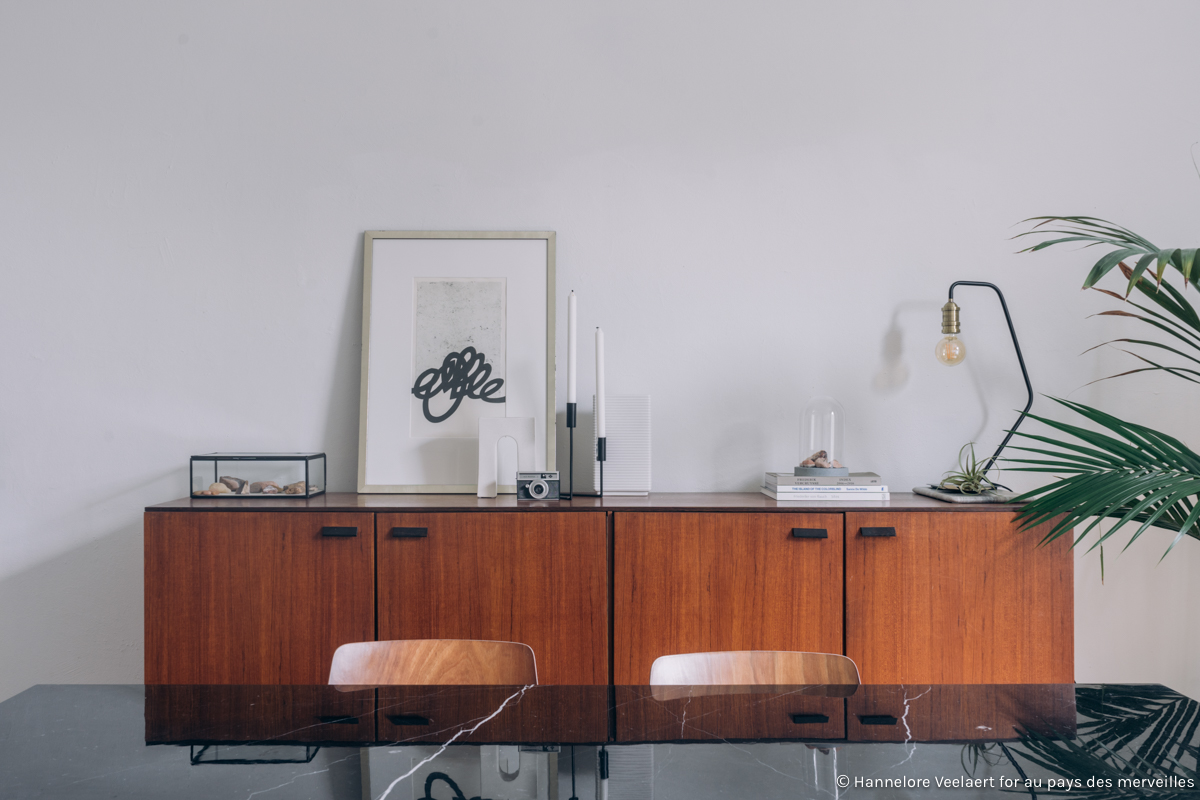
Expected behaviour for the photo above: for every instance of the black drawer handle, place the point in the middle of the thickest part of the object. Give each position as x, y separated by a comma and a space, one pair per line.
810, 719
345, 532
877, 531
343, 719
407, 719
810, 533
876, 719
410, 533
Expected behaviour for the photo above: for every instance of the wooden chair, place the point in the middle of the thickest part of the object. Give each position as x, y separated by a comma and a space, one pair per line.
754, 668
433, 662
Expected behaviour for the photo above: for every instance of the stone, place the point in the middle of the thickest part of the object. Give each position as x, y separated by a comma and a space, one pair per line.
260, 487
234, 484
821, 460
218, 488
294, 488
270, 489
245, 488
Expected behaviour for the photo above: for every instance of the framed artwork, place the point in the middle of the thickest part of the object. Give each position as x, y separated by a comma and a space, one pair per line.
457, 326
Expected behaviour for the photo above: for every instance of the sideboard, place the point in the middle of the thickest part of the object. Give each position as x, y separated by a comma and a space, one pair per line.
242, 591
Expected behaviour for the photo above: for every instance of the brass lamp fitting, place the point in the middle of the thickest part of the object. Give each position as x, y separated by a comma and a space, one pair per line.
949, 318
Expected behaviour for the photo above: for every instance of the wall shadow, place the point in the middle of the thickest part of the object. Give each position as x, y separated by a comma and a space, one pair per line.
340, 437
77, 617
893, 373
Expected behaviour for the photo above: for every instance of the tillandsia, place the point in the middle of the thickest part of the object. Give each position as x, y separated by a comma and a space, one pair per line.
1123, 471
970, 477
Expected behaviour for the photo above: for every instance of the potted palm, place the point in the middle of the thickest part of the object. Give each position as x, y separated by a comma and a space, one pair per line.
1115, 469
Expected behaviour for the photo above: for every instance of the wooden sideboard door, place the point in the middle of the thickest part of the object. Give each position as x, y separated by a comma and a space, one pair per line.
255, 597
957, 598
701, 582
540, 579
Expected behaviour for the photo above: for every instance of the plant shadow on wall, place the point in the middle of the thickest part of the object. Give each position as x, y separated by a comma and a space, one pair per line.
1123, 471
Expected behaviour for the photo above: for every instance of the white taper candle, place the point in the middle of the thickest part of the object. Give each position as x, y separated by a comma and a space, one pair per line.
572, 356
600, 384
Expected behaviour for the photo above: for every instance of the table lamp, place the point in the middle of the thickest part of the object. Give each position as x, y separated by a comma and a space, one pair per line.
951, 351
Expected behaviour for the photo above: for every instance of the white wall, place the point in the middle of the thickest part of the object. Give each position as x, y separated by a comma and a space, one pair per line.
758, 201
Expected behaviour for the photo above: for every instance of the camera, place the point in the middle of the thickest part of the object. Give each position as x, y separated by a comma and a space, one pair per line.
537, 485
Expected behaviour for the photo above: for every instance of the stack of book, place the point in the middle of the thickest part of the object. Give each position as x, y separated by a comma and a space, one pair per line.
856, 487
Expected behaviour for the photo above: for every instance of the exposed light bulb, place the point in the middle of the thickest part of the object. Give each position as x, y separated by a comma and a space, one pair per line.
950, 351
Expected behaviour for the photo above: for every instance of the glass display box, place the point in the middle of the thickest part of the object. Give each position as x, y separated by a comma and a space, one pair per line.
258, 475
822, 438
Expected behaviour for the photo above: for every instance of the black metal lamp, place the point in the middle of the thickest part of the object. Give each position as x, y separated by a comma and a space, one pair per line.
951, 352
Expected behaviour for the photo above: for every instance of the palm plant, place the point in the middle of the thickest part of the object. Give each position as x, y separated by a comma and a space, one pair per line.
1122, 471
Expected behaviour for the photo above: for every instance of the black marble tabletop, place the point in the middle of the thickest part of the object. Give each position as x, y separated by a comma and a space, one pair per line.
550, 741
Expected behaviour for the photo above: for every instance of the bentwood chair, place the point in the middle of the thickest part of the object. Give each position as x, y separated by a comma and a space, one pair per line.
433, 662
754, 668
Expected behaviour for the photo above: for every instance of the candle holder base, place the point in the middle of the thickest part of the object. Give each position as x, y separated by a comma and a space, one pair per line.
601, 456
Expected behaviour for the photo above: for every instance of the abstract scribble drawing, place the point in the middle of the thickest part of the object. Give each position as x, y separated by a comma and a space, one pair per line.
463, 374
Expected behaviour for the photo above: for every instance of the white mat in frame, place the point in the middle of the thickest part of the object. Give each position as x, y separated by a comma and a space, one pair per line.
398, 452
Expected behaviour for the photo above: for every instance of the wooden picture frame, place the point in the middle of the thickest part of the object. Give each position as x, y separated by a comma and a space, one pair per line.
434, 304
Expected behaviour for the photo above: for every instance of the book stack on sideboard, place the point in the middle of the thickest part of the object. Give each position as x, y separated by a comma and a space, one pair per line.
859, 486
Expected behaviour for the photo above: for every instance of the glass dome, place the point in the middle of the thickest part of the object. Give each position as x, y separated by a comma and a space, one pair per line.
822, 438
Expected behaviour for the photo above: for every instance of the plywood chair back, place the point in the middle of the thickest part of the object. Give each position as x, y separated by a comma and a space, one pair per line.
434, 662
754, 668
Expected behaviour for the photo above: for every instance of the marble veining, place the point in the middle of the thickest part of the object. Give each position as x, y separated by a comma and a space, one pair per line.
461, 732
699, 742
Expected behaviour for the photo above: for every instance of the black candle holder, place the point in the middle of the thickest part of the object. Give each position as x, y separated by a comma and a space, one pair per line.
601, 456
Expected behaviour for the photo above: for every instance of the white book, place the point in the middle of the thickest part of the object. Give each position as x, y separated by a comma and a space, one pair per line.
853, 479
829, 489
808, 497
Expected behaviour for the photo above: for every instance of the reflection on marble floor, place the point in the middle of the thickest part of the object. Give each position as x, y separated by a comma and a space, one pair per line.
686, 772
217, 742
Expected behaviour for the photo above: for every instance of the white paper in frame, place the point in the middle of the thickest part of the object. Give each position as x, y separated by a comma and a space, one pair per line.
457, 325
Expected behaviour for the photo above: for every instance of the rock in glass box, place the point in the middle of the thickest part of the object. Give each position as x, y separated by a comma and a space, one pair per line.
258, 475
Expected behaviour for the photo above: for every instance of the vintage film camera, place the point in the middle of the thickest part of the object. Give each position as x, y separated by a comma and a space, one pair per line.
537, 485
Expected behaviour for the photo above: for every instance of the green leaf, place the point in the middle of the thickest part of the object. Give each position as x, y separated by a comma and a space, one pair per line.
1147, 343
1106, 263
1164, 257
1143, 262
1188, 258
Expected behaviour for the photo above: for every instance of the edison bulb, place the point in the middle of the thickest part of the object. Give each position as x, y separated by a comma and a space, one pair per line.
950, 351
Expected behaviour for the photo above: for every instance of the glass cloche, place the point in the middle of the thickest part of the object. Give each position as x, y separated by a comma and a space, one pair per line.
822, 438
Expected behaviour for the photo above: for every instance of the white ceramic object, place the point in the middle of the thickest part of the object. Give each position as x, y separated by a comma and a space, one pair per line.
627, 470
491, 431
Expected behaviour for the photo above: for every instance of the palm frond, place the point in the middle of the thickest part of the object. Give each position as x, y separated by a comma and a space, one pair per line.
1094, 231
1127, 472
1147, 278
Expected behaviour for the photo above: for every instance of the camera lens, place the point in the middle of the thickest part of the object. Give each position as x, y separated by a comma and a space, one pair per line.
539, 489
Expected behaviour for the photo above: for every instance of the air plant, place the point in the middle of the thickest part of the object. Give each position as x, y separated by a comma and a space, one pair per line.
970, 477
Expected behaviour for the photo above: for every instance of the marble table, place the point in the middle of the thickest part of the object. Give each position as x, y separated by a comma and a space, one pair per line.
181, 742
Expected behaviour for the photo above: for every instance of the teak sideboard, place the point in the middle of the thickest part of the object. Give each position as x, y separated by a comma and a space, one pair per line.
915, 591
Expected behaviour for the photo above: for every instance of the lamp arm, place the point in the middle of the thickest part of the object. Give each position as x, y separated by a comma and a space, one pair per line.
1020, 360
